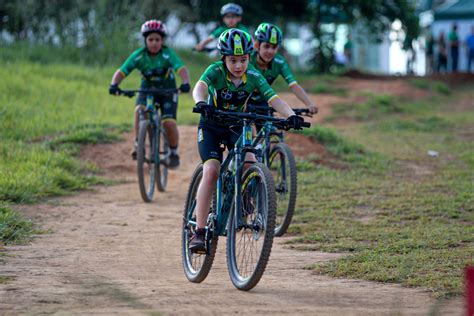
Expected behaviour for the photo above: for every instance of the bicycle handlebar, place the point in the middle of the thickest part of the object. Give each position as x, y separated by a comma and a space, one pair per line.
277, 122
132, 93
205, 49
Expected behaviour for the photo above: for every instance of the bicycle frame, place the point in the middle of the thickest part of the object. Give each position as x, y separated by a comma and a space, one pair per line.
154, 117
224, 201
264, 137
244, 144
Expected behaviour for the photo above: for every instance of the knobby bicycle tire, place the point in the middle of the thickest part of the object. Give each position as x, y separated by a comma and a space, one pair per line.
198, 271
245, 276
285, 185
163, 153
145, 156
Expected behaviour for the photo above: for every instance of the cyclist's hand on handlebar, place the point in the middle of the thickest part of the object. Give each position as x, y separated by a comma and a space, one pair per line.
205, 109
114, 89
184, 87
295, 122
313, 109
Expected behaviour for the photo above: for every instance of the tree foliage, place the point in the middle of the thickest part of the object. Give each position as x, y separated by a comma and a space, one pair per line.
376, 15
105, 26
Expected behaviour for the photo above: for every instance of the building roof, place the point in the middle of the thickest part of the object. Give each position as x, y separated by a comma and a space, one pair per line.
459, 10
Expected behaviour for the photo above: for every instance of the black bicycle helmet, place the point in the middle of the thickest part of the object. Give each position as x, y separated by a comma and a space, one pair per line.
235, 42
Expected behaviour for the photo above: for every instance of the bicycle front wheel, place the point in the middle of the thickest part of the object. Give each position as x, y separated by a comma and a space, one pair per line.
196, 266
251, 229
162, 164
282, 165
146, 160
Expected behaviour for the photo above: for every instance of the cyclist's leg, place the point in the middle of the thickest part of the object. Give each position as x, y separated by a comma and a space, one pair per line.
169, 105
140, 105
210, 150
211, 155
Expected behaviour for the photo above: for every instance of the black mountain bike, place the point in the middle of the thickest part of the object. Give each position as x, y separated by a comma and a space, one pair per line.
153, 148
243, 209
280, 160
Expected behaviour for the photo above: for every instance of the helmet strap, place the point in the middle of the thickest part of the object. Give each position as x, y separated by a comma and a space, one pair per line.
261, 59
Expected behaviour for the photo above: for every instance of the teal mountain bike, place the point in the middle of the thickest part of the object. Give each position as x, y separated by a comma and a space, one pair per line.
153, 148
279, 158
243, 209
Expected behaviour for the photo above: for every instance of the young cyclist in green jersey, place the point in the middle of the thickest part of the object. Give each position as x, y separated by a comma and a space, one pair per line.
226, 85
271, 64
156, 62
231, 16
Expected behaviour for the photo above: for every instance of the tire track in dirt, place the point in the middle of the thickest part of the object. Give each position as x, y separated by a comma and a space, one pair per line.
109, 253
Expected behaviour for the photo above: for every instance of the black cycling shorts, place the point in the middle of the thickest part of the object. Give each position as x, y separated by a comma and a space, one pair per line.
212, 140
168, 104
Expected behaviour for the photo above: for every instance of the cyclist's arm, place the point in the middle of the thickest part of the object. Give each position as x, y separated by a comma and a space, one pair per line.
200, 92
203, 43
281, 106
118, 77
184, 74
301, 94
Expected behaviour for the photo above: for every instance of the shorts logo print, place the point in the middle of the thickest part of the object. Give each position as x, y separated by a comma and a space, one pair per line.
200, 136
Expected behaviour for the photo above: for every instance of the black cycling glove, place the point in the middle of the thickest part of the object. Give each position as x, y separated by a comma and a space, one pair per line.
206, 110
295, 121
184, 87
114, 89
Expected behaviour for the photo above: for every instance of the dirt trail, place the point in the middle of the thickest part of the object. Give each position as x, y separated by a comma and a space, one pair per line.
109, 253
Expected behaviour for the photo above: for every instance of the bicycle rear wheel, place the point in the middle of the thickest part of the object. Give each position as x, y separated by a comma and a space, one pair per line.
282, 165
196, 266
162, 167
250, 239
146, 162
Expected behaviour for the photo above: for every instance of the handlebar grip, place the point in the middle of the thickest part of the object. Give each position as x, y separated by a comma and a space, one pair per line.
306, 124
196, 110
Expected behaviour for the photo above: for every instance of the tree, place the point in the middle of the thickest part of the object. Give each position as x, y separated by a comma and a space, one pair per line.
376, 15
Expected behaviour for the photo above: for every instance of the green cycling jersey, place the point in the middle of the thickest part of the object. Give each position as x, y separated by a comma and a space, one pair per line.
221, 28
226, 96
277, 67
157, 71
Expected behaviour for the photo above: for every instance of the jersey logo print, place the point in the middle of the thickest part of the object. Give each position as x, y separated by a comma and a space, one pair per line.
278, 60
226, 94
241, 95
253, 72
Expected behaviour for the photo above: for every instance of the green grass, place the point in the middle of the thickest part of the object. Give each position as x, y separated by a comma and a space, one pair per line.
13, 228
328, 88
62, 105
404, 217
432, 85
49, 108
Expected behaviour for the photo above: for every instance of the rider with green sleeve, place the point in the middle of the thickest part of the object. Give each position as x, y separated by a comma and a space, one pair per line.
231, 16
226, 85
271, 64
157, 64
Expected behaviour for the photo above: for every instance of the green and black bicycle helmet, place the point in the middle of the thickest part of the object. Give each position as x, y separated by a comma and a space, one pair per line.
235, 42
269, 33
231, 8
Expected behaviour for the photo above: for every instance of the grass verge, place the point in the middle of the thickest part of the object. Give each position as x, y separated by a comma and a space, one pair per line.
401, 216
